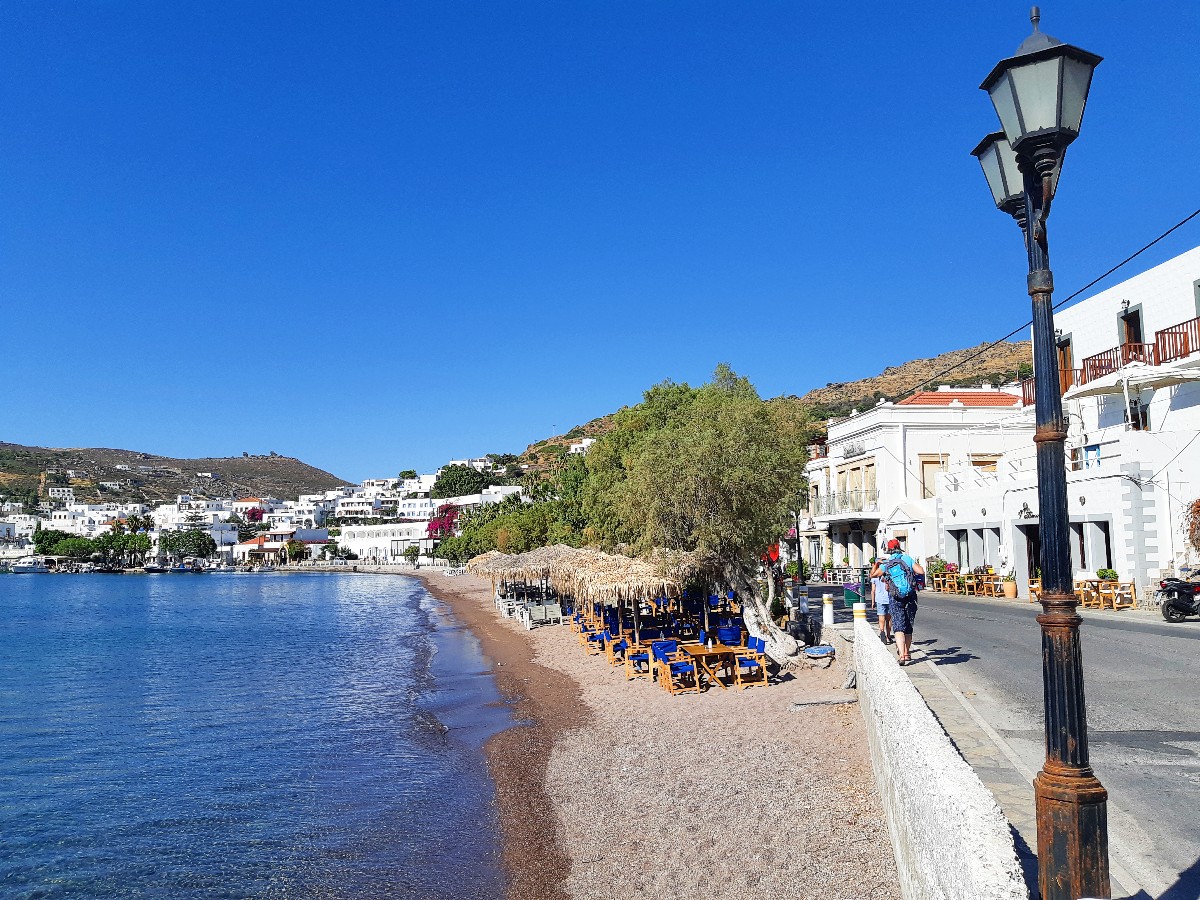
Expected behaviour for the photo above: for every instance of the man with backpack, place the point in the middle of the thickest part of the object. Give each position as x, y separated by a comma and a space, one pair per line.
899, 572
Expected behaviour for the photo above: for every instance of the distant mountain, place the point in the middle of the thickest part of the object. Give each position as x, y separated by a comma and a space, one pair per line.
145, 477
1005, 362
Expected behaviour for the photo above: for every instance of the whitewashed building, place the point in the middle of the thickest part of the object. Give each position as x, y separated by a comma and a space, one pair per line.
1130, 367
877, 477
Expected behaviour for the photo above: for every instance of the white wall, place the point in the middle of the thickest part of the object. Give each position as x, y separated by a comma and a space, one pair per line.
949, 837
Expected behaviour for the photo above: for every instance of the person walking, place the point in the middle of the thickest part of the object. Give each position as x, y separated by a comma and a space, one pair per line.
899, 573
882, 609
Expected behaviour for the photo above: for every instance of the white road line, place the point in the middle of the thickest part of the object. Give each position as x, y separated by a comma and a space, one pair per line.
1118, 872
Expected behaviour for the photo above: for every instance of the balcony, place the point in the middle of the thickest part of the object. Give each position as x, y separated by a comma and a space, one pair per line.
846, 503
1178, 341
1067, 378
1111, 360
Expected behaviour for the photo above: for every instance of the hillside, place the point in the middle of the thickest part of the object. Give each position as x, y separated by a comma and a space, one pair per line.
145, 477
1007, 361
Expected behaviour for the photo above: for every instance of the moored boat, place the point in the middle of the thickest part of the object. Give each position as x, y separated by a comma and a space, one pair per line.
30, 565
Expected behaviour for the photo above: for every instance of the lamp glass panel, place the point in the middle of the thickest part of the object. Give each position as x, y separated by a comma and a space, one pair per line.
1037, 92
1006, 108
1013, 178
992, 172
1077, 78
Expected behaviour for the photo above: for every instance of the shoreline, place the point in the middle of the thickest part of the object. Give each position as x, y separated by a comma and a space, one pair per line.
545, 703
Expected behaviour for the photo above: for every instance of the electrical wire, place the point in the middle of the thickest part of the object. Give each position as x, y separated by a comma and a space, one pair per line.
988, 346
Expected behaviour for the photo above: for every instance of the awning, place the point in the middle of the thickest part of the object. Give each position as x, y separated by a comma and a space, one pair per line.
1133, 376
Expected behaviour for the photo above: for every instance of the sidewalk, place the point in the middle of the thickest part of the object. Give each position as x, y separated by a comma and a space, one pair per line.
998, 766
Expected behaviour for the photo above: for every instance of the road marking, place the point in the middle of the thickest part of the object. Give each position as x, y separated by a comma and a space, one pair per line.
1118, 872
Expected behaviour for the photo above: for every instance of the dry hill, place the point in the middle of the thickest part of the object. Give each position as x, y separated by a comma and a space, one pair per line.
100, 474
1005, 362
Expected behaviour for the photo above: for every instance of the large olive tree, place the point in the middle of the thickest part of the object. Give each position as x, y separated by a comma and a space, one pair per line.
712, 470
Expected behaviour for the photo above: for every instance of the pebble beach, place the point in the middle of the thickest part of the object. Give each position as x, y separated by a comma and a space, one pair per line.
615, 788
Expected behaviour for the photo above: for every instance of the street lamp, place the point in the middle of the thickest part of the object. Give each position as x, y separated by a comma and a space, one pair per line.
1039, 95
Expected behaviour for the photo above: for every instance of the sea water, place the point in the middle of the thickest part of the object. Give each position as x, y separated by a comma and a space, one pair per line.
236, 735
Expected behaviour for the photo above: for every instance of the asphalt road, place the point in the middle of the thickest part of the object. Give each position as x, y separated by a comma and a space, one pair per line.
1143, 717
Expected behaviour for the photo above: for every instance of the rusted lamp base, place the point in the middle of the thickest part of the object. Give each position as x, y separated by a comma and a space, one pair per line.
1072, 835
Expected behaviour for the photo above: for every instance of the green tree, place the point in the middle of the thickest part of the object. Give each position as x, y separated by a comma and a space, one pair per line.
459, 481
44, 539
295, 550
407, 473
411, 553
191, 542
74, 547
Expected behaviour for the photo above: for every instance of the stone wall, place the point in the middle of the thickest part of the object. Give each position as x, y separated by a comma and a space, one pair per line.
950, 838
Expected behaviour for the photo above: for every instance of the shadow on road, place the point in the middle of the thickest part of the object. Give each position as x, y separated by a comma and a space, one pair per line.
944, 656
1186, 886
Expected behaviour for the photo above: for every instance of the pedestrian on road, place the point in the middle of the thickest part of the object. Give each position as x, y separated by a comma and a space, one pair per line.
880, 595
899, 572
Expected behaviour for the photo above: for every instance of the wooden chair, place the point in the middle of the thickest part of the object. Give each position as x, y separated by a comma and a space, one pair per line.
676, 674
970, 584
1126, 596
750, 665
637, 662
1035, 590
987, 586
615, 650
1087, 595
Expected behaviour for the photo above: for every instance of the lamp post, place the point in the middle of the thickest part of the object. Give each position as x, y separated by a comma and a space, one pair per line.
1040, 94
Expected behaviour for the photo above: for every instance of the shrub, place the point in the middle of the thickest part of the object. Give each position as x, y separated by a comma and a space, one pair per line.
1107, 574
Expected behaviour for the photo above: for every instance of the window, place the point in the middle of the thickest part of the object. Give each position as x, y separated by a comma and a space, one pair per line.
984, 462
1066, 357
1138, 416
1131, 327
930, 467
1103, 529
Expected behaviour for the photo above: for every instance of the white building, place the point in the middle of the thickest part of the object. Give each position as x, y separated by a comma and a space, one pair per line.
61, 493
877, 477
1130, 365
383, 543
582, 445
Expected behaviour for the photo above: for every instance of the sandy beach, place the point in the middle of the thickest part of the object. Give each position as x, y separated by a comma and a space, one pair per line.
617, 789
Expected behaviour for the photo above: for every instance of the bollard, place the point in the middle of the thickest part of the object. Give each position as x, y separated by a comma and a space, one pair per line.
860, 610
827, 609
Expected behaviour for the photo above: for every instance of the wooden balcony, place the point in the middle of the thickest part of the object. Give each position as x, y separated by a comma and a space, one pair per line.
1111, 360
1178, 341
1067, 378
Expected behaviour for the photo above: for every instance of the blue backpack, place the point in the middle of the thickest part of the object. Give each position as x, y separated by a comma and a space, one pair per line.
898, 578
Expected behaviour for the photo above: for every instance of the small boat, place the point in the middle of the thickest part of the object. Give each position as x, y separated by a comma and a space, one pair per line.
154, 568
30, 565
266, 567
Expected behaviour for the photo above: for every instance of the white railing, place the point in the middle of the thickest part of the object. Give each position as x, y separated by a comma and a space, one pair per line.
1021, 466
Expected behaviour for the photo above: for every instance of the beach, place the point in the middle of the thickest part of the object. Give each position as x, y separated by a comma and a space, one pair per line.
615, 788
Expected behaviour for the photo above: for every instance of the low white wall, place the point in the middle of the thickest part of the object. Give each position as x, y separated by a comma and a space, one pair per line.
950, 838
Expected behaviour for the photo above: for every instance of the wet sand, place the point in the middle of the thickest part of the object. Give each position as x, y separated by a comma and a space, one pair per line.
550, 702
618, 789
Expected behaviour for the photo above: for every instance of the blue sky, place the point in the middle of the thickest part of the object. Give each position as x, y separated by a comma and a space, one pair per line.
378, 235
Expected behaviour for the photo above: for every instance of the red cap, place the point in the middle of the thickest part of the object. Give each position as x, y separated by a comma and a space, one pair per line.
893, 544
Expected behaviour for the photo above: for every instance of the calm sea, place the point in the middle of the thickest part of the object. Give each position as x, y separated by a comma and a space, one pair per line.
270, 736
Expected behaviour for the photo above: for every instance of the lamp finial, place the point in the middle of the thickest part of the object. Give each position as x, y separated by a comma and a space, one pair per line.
1035, 16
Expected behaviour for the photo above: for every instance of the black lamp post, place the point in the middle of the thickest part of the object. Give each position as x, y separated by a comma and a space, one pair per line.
1039, 95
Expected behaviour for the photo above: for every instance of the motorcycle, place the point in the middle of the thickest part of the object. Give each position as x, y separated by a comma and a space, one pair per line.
1180, 599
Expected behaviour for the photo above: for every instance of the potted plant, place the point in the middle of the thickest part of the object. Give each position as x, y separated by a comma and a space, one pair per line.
1107, 574
1010, 586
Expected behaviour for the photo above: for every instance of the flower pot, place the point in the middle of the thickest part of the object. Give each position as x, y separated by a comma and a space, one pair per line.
1010, 589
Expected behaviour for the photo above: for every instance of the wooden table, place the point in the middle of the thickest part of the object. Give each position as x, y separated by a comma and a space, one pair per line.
700, 655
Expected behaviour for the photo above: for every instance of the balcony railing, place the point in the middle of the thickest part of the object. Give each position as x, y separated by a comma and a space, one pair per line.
1067, 378
1178, 341
846, 502
1111, 360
